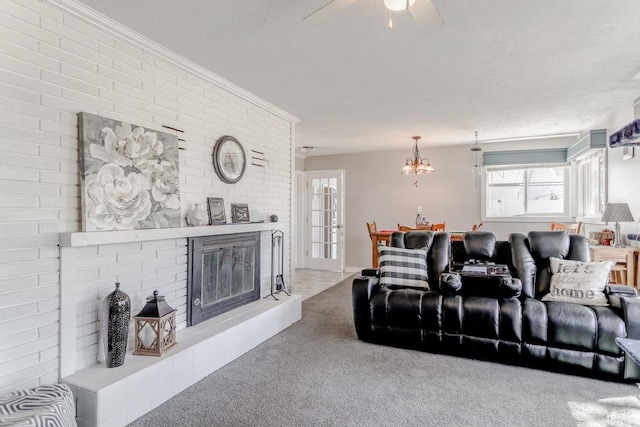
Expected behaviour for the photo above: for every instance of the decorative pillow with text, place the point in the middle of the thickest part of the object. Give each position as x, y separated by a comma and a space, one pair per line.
580, 282
403, 268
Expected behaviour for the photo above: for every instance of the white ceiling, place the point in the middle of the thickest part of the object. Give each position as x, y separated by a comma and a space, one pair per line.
506, 68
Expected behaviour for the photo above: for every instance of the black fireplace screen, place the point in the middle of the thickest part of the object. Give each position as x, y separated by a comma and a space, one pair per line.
223, 274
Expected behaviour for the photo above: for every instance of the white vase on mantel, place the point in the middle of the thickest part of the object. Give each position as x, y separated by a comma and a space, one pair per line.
198, 217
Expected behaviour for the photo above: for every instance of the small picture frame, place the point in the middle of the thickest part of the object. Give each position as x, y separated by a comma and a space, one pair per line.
627, 153
240, 212
216, 211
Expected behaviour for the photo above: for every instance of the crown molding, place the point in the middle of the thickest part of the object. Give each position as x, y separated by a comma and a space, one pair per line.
127, 35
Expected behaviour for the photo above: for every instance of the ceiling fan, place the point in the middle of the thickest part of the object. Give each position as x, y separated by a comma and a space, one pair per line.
422, 11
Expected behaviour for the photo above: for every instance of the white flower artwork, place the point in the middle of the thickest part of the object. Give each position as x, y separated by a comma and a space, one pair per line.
129, 176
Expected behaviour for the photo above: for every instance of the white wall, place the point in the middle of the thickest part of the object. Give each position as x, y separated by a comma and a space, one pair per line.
60, 59
375, 190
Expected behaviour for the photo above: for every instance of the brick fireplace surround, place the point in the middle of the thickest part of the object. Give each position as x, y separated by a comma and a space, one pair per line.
63, 58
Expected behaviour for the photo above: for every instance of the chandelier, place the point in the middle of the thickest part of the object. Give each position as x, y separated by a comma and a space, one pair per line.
416, 164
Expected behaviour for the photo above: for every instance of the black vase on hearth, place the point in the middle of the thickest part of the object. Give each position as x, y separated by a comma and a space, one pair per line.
116, 313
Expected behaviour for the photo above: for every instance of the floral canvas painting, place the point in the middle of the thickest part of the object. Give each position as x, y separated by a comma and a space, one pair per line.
129, 176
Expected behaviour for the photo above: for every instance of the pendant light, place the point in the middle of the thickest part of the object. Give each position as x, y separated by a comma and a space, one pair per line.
416, 164
477, 160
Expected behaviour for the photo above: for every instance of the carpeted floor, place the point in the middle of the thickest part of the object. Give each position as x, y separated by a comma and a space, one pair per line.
317, 373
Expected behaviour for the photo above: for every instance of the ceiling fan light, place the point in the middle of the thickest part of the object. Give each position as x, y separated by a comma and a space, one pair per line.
398, 5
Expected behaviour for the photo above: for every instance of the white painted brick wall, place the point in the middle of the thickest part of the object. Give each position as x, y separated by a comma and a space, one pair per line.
53, 65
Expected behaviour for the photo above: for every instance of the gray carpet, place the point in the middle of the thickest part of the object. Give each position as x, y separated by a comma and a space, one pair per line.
317, 373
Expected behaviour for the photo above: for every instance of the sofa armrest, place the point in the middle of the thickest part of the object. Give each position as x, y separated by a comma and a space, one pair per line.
371, 272
622, 290
488, 286
361, 292
628, 307
450, 283
510, 287
615, 293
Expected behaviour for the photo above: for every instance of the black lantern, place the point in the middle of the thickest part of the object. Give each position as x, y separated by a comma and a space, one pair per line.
155, 327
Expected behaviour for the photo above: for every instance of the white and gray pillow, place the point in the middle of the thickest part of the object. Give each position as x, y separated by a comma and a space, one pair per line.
580, 282
400, 267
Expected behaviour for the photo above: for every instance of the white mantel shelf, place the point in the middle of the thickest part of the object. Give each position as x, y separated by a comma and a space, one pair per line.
93, 238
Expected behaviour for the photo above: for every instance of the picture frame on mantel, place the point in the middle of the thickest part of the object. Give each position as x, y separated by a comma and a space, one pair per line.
240, 213
217, 215
627, 153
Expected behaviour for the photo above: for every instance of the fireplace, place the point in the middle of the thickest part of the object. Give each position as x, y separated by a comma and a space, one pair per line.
223, 273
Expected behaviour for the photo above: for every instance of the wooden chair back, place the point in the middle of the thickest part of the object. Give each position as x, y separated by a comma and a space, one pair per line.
476, 227
574, 228
372, 227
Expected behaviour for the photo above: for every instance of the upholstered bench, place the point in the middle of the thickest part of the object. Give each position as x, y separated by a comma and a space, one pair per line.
46, 405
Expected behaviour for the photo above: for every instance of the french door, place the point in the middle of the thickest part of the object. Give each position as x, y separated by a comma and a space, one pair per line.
325, 219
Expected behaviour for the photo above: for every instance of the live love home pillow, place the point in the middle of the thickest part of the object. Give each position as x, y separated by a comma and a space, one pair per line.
402, 268
578, 281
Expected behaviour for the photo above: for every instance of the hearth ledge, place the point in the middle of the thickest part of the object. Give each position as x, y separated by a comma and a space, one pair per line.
91, 238
118, 396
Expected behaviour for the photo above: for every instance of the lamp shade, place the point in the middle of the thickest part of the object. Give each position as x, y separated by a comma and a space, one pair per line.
617, 212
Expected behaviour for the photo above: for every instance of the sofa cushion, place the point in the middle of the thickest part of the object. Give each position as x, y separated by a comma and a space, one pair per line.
402, 268
579, 282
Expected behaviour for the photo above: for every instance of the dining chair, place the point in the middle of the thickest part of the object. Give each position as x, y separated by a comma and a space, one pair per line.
378, 237
372, 227
569, 228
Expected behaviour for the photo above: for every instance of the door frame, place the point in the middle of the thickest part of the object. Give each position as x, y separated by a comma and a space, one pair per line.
301, 211
303, 222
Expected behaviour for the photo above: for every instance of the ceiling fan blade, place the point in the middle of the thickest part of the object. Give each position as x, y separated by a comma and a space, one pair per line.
426, 15
325, 11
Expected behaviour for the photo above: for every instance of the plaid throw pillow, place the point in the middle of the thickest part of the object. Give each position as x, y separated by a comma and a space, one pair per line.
400, 268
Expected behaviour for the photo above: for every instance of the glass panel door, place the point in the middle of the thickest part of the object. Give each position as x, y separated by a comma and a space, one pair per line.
325, 219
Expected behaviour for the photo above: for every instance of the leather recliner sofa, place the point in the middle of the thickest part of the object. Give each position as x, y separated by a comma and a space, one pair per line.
500, 320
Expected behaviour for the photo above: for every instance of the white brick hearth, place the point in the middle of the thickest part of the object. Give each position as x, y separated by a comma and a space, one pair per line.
114, 397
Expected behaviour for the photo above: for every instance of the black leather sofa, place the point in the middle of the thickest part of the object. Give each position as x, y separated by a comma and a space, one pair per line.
500, 319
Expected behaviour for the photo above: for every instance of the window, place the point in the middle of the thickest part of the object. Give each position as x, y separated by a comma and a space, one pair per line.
591, 184
527, 190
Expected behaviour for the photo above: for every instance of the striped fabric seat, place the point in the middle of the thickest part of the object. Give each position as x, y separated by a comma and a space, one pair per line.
401, 268
43, 406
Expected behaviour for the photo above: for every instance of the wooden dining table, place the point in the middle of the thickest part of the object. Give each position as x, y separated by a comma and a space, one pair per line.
377, 238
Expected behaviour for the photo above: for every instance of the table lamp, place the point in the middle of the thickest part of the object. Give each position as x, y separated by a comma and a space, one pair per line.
618, 212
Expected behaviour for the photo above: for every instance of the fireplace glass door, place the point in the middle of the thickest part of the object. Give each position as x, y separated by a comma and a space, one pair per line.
224, 274
227, 273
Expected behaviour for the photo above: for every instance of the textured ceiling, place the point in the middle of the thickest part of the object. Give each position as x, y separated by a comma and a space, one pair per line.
507, 69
